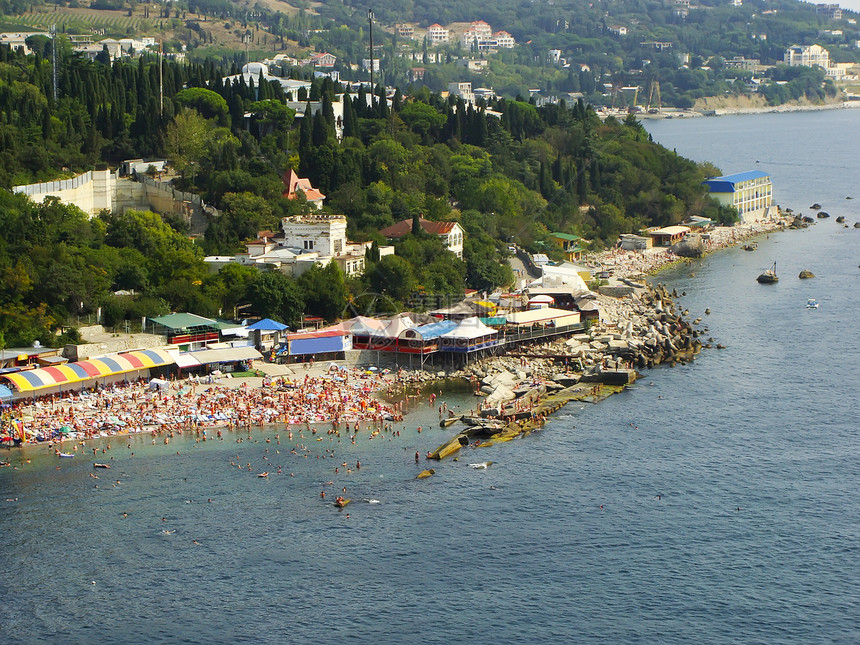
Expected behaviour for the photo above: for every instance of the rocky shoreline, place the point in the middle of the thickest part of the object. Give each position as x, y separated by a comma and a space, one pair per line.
640, 330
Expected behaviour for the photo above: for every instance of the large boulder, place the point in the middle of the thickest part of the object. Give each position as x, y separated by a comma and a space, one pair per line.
805, 274
690, 247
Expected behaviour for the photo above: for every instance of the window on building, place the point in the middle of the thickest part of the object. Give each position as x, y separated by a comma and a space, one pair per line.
309, 245
338, 247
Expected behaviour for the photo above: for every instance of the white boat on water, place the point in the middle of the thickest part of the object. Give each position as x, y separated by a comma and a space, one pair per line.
812, 303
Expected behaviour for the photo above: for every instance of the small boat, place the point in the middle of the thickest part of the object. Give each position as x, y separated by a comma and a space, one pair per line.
812, 303
340, 502
99, 465
265, 474
65, 454
769, 276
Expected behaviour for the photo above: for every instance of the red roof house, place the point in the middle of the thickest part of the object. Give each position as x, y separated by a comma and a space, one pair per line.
294, 184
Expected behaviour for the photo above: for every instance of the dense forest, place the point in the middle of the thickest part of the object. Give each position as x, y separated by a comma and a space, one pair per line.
508, 171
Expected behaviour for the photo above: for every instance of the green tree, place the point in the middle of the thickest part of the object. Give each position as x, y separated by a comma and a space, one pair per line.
392, 276
324, 291
185, 140
274, 295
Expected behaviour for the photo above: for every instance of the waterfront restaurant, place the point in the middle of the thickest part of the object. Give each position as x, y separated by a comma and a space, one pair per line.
189, 331
470, 335
424, 339
669, 235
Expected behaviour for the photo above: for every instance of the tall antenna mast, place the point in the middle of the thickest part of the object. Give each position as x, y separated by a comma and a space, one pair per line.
54, 57
160, 78
372, 86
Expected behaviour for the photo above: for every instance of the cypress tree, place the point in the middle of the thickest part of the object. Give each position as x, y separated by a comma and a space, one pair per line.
305, 130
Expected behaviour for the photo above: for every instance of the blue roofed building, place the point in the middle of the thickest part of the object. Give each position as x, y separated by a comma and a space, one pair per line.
751, 193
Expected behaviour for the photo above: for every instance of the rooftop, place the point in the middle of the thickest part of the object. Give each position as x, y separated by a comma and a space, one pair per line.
404, 227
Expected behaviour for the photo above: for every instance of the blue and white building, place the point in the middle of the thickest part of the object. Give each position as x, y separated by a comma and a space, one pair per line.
751, 193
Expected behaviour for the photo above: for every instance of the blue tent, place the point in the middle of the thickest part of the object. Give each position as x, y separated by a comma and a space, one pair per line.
267, 324
5, 394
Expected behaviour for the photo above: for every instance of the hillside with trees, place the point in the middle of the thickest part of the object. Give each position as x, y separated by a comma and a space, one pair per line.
701, 39
507, 171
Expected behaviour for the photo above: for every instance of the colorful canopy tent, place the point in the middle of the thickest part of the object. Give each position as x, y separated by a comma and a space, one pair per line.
39, 380
267, 324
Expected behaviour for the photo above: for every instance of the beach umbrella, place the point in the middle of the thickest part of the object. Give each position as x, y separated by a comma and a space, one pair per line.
65, 430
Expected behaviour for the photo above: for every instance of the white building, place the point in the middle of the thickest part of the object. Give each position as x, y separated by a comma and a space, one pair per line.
504, 40
463, 90
807, 56
451, 233
304, 241
751, 193
325, 234
253, 72
16, 40
831, 11
437, 35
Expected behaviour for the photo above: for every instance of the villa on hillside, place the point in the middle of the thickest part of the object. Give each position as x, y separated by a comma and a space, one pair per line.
295, 185
451, 233
304, 240
437, 35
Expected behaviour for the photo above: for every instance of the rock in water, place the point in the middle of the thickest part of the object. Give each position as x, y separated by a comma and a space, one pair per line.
806, 274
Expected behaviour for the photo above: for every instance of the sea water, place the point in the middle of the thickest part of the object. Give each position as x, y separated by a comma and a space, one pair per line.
714, 502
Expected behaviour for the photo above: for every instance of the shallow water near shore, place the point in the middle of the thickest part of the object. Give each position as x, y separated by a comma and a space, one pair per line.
521, 551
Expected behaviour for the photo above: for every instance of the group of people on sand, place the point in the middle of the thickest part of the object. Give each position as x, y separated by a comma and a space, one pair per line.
344, 401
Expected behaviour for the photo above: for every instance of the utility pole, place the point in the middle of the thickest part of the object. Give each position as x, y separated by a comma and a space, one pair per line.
54, 57
372, 86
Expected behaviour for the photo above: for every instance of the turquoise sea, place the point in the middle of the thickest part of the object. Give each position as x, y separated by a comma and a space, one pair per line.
714, 503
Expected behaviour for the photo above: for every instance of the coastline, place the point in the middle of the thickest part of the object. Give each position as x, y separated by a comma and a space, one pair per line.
639, 330
699, 112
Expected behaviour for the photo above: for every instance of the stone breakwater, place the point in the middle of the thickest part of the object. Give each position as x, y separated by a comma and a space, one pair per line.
522, 388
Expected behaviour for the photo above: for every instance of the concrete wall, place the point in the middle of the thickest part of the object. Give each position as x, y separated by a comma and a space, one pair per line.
100, 190
92, 191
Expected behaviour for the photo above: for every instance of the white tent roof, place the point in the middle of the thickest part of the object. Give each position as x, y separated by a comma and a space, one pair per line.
470, 328
363, 326
542, 299
397, 327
